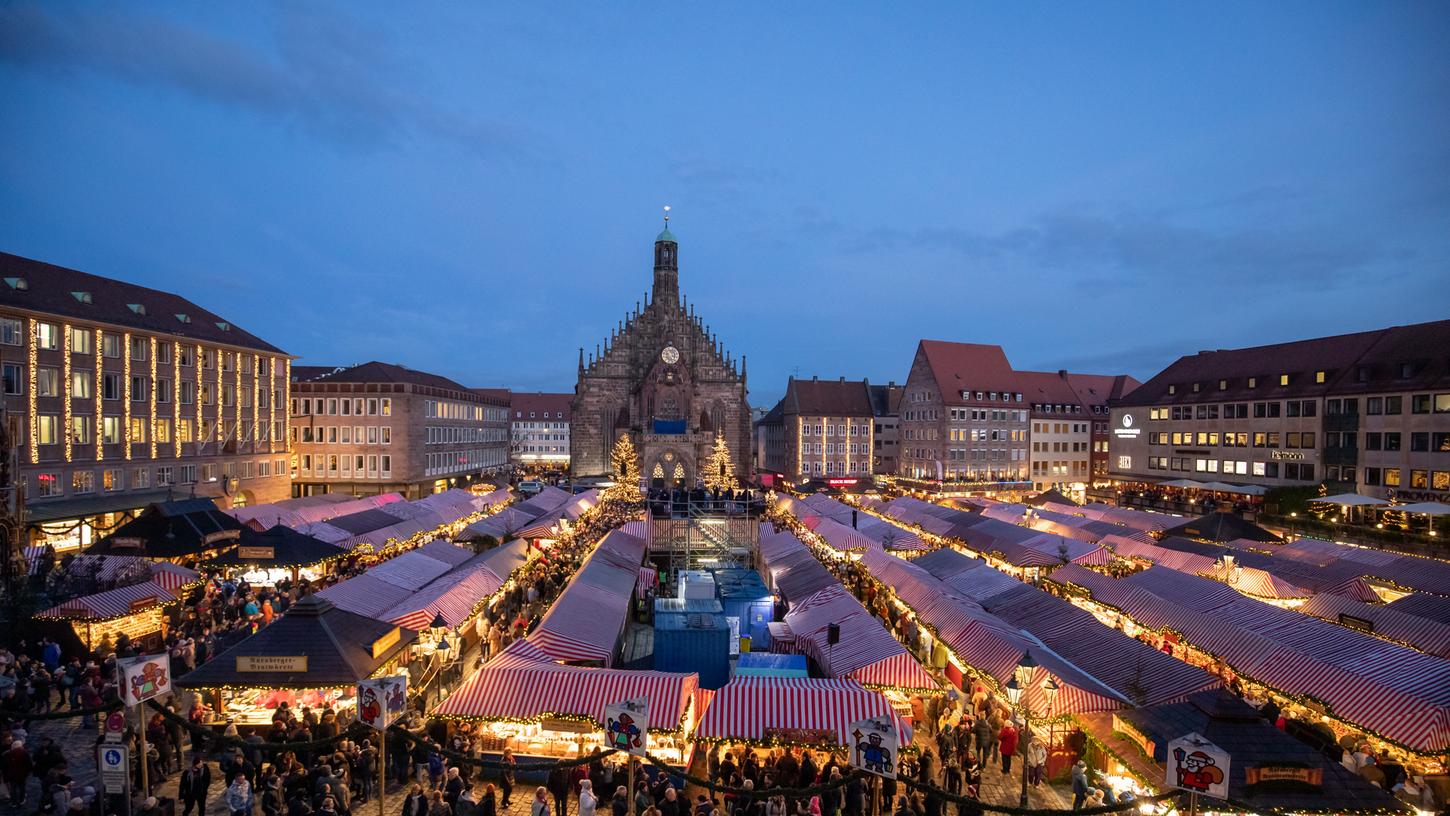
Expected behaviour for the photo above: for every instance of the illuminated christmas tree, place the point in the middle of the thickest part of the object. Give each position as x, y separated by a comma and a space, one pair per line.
719, 468
626, 471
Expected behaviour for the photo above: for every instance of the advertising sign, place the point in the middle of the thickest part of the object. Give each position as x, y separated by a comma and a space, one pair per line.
874, 747
626, 725
1197, 765
381, 700
145, 677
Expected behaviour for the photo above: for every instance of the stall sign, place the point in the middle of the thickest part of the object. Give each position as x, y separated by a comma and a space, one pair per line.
875, 747
272, 663
802, 736
112, 761
1198, 766
1132, 732
145, 677
626, 725
256, 553
1258, 774
127, 541
565, 726
386, 642
1352, 622
381, 699
221, 535
142, 604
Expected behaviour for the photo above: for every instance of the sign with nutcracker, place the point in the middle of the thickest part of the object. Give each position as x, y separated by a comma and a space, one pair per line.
626, 729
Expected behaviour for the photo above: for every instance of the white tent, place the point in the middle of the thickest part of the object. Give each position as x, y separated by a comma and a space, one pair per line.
1427, 508
1353, 500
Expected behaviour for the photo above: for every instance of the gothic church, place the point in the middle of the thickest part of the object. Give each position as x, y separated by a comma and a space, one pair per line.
663, 379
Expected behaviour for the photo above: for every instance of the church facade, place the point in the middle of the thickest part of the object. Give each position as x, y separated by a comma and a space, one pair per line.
662, 378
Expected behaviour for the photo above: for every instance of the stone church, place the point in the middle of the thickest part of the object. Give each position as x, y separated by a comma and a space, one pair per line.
663, 378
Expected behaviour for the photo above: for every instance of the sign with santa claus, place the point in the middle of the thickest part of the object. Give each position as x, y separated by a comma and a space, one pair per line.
626, 725
1198, 766
381, 699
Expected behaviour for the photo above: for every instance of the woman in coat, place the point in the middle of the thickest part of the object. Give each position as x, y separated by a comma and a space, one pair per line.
415, 803
619, 805
540, 805
588, 802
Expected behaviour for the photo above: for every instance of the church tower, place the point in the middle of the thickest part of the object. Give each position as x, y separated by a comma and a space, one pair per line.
667, 266
663, 378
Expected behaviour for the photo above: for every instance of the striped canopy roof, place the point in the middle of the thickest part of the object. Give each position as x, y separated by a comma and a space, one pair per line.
587, 618
523, 683
1423, 634
757, 708
113, 603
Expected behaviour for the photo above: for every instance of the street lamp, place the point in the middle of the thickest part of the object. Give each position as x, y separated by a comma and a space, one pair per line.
1016, 689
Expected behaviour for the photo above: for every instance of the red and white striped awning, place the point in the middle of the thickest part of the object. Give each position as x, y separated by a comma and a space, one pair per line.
648, 580
762, 708
1429, 636
453, 596
113, 603
522, 684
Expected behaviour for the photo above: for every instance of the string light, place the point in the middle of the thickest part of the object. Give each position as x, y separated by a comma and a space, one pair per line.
272, 404
126, 393
176, 397
33, 419
256, 395
287, 415
154, 393
196, 398
65, 405
237, 396
100, 437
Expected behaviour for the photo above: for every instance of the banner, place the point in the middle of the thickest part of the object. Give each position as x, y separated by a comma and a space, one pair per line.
1197, 765
874, 747
626, 725
381, 700
145, 677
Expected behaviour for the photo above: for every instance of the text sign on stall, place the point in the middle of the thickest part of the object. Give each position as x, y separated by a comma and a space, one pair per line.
626, 725
381, 700
295, 664
1197, 765
874, 747
145, 677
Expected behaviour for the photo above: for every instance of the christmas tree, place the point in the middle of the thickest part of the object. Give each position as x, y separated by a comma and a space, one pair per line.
719, 469
626, 471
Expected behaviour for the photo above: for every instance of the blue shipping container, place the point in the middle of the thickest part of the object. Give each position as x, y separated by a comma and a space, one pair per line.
693, 643
683, 606
744, 595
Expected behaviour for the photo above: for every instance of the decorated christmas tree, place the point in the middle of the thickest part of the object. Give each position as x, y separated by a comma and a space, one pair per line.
626, 471
719, 470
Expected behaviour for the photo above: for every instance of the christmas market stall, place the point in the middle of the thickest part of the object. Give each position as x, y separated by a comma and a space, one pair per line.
587, 620
1006, 544
402, 525
525, 701
884, 533
263, 559
763, 712
549, 505
184, 531
314, 656
308, 509
1423, 634
1269, 772
1333, 682
133, 611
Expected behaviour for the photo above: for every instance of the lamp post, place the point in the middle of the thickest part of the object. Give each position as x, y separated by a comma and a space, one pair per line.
1016, 688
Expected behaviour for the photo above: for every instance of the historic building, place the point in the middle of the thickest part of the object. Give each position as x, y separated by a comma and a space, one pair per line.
124, 396
662, 378
831, 429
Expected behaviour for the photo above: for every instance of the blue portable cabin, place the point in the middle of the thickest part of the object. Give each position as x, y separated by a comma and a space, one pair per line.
743, 594
688, 606
693, 642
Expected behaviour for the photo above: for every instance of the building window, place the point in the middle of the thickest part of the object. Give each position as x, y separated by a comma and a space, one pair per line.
83, 481
12, 331
138, 389
14, 378
47, 429
111, 345
112, 480
48, 336
48, 485
111, 386
111, 430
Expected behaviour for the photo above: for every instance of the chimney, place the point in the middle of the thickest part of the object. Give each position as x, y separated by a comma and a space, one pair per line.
891, 383
815, 378
1062, 372
841, 380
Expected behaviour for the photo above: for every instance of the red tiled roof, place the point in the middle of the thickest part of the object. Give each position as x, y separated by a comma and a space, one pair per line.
974, 366
1380, 353
552, 406
51, 289
376, 372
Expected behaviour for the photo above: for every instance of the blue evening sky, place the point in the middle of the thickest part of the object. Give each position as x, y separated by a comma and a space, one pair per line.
473, 189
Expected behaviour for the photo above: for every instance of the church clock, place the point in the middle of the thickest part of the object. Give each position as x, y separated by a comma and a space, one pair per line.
670, 355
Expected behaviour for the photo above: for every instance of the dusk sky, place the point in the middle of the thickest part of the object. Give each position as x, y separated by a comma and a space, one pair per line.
473, 190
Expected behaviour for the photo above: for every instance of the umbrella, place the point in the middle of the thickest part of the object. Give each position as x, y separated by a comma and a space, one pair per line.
1354, 500
1180, 483
1428, 508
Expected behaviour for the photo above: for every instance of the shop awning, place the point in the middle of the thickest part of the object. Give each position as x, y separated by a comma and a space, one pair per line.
113, 603
1350, 500
791, 710
313, 645
522, 683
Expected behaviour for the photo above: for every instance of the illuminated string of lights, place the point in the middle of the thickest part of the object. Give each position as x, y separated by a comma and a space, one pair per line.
65, 406
99, 436
154, 393
256, 426
34, 419
126, 393
176, 398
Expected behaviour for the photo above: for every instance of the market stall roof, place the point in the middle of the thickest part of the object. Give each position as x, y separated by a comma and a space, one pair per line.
865, 651
1395, 691
1053, 496
414, 580
1220, 526
788, 710
113, 603
1350, 500
522, 683
279, 547
586, 620
1422, 605
1416, 572
1425, 508
1424, 634
172, 529
127, 569
1251, 742
307, 509
313, 645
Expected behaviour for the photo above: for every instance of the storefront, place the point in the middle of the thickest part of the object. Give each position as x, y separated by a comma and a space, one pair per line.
132, 613
313, 656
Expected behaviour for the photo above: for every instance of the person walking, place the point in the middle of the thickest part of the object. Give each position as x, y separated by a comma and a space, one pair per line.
506, 778
15, 768
1036, 761
540, 805
1080, 787
193, 787
239, 796
588, 802
1007, 742
559, 782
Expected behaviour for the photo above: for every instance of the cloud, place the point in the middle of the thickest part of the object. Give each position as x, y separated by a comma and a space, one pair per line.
325, 74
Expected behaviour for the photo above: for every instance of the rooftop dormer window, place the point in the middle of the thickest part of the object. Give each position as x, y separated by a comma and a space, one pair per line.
223, 325
138, 308
1223, 385
18, 284
1320, 376
81, 297
183, 318
1253, 382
